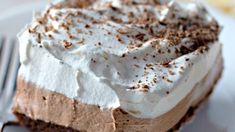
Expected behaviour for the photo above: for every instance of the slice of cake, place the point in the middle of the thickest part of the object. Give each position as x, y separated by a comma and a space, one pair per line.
121, 65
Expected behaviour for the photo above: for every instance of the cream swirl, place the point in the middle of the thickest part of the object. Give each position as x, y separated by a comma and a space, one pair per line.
130, 54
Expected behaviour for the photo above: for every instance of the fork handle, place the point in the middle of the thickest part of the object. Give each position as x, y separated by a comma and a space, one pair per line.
6, 119
3, 125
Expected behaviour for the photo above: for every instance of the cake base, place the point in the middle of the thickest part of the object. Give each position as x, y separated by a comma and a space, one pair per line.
41, 126
42, 110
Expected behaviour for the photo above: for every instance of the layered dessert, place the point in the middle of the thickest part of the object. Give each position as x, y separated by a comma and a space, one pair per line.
121, 65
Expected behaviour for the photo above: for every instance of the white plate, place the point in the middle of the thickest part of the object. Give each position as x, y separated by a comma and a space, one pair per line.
217, 115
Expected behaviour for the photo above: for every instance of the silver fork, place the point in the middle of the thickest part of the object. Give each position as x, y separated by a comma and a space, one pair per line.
9, 64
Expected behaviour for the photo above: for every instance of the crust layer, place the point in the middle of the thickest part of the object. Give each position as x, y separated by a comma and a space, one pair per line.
52, 110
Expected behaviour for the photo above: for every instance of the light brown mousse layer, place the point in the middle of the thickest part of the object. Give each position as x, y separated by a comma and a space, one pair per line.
54, 108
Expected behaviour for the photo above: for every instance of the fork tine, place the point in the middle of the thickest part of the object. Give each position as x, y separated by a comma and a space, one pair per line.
1, 43
9, 91
10, 77
4, 62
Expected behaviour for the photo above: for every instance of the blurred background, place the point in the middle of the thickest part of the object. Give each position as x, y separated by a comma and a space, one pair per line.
10, 4
227, 6
217, 115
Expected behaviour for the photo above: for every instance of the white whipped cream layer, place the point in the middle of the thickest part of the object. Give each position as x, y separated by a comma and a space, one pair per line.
99, 68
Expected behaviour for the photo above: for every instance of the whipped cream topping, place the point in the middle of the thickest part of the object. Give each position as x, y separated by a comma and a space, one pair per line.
141, 56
